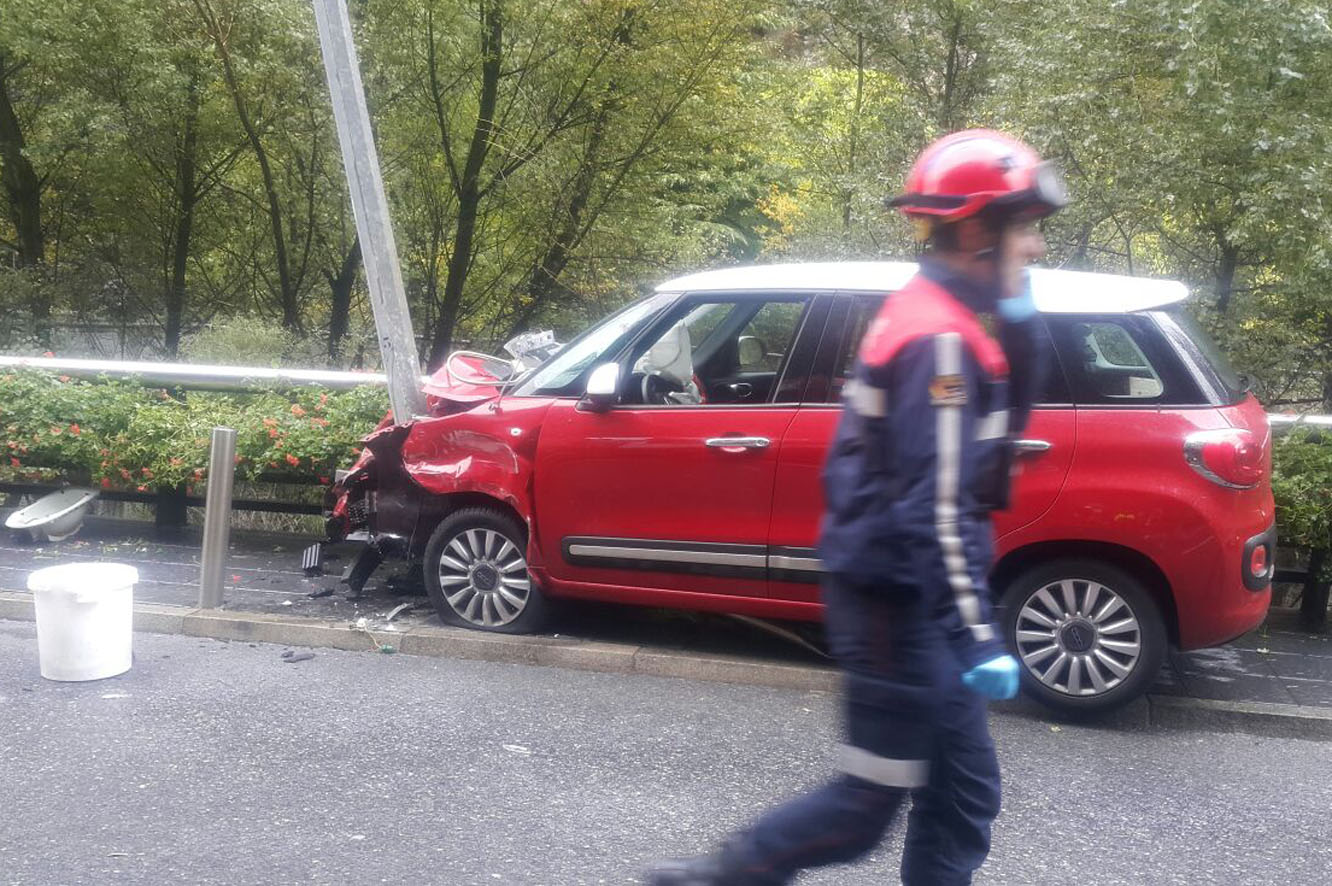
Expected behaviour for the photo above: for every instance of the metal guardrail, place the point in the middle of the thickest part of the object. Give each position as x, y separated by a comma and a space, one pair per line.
1282, 422
198, 376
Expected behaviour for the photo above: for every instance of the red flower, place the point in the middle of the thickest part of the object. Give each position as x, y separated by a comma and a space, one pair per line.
48, 354
106, 482
64, 378
198, 472
75, 430
16, 463
143, 488
293, 460
269, 423
296, 410
272, 433
323, 480
147, 473
56, 430
124, 474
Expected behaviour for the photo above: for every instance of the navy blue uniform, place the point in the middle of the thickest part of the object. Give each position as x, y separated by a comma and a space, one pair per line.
921, 457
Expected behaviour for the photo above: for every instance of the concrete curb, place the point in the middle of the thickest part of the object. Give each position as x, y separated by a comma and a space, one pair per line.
1152, 711
449, 642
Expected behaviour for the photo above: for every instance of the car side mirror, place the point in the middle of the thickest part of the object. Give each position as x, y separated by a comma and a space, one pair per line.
603, 388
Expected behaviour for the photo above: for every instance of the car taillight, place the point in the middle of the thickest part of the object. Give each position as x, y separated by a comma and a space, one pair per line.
1229, 457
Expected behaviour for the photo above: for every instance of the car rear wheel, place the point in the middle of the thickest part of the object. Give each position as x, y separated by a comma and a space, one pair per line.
476, 573
1088, 635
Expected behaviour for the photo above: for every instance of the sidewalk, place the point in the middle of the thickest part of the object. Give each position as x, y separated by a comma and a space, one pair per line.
1276, 673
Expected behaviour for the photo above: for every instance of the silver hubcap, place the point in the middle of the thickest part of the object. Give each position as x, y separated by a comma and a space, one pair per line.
483, 576
1078, 637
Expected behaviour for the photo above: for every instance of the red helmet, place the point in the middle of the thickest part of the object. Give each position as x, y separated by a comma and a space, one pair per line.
961, 174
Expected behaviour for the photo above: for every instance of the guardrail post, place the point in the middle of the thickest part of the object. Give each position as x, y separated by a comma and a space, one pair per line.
217, 516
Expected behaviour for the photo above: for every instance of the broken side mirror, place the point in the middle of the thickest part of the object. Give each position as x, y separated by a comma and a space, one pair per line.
603, 388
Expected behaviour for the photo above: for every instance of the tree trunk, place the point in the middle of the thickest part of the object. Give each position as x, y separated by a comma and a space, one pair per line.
339, 315
23, 188
544, 279
1225, 272
291, 317
951, 73
187, 196
469, 184
854, 147
1313, 603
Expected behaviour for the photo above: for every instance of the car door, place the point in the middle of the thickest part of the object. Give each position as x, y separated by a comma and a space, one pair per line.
671, 489
1045, 451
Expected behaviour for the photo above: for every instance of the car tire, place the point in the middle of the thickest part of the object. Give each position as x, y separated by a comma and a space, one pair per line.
1088, 635
476, 573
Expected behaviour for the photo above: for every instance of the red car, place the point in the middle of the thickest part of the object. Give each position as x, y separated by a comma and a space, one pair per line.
671, 456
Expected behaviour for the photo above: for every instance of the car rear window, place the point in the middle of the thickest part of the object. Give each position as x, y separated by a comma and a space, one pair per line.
1121, 360
1188, 334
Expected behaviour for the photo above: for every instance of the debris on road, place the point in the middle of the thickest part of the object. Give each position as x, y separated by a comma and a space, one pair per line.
291, 657
321, 592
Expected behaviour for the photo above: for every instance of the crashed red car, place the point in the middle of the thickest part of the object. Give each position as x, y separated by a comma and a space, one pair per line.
670, 456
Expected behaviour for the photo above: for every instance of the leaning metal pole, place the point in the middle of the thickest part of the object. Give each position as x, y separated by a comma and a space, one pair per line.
217, 516
360, 160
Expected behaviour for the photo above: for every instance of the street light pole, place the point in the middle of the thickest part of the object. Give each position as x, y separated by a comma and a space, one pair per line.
360, 160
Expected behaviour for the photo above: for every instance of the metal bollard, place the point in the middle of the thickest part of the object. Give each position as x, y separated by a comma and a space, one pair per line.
217, 516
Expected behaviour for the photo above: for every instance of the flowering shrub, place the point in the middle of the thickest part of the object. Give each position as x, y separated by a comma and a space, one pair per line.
120, 435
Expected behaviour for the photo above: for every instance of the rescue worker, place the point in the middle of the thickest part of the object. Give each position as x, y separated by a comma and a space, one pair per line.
922, 455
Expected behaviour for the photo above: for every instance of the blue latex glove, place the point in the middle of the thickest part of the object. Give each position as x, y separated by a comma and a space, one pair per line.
1020, 307
995, 679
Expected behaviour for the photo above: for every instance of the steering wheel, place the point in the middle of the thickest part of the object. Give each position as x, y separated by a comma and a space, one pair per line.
657, 390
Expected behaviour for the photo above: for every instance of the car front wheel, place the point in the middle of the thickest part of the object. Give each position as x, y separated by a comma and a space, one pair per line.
1088, 635
476, 573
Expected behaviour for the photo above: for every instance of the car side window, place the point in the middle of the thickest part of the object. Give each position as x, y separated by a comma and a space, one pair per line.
714, 352
862, 313
1120, 360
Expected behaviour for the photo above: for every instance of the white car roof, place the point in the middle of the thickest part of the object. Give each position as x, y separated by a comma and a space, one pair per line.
1055, 292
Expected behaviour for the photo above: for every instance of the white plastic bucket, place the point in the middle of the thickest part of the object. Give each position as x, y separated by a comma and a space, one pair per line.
85, 619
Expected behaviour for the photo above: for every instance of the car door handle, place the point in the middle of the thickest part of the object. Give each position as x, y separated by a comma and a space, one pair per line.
737, 442
1031, 446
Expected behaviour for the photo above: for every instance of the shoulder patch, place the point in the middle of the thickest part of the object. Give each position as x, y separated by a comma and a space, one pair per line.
948, 390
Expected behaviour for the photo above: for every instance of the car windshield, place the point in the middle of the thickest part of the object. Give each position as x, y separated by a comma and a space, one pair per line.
562, 374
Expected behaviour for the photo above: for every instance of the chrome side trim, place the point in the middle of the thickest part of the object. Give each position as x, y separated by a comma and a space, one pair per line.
796, 564
667, 555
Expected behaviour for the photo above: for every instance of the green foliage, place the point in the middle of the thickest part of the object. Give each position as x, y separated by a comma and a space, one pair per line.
1302, 484
121, 436
249, 341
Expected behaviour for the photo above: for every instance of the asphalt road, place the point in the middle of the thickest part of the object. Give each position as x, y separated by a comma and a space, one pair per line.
212, 762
